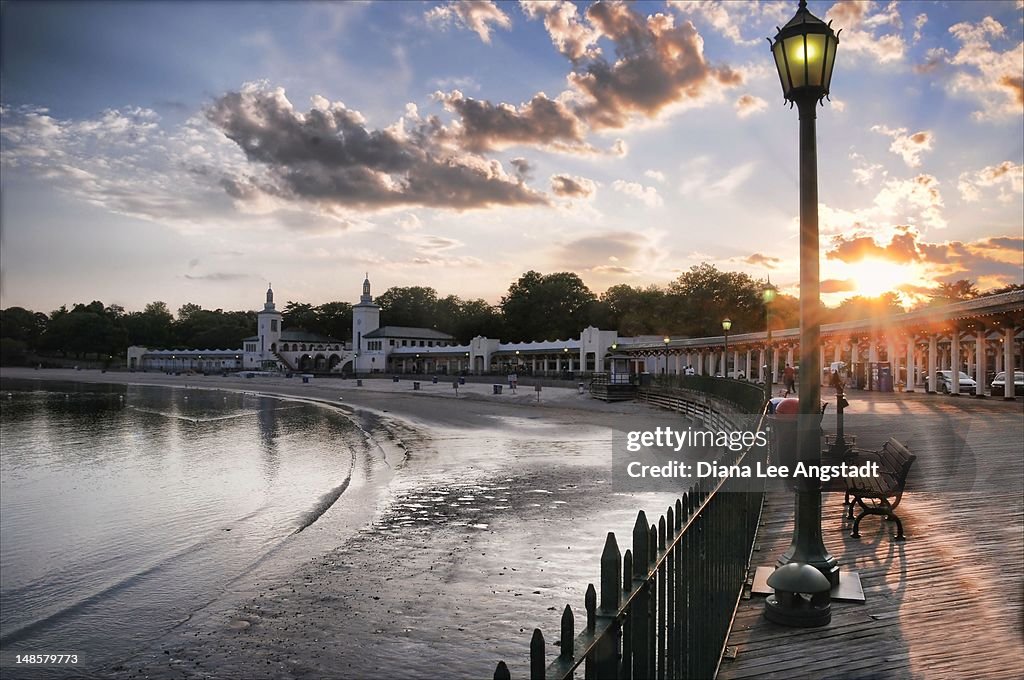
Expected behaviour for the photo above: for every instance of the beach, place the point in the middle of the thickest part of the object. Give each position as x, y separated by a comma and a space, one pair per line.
486, 514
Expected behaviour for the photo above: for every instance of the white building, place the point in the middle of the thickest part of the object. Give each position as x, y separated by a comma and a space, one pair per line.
385, 349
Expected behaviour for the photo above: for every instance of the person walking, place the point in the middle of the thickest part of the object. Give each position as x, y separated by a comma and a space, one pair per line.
789, 377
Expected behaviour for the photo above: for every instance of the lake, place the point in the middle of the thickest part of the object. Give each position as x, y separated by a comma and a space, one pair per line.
123, 509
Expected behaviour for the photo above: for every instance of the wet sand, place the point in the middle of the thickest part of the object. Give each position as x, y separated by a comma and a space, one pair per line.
482, 517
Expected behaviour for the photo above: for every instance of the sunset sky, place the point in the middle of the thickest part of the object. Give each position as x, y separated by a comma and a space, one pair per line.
192, 152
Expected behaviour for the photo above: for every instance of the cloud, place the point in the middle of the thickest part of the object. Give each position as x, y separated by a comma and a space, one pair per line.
981, 72
218, 277
570, 36
902, 248
541, 122
648, 195
613, 253
908, 147
475, 15
869, 29
728, 17
569, 186
1007, 176
838, 286
991, 261
699, 182
919, 21
748, 105
864, 172
762, 260
524, 169
329, 157
409, 222
656, 175
658, 65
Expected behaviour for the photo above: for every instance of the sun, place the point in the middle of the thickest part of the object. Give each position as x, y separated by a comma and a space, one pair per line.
875, 277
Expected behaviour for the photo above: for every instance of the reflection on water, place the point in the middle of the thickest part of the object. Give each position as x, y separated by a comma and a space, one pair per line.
123, 509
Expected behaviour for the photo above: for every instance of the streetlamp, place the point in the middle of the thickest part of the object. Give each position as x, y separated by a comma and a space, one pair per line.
769, 295
804, 51
726, 325
666, 340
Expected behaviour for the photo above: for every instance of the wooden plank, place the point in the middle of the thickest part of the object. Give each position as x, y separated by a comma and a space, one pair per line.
962, 561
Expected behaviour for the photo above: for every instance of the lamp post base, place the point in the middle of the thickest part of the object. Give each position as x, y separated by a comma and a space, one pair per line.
807, 546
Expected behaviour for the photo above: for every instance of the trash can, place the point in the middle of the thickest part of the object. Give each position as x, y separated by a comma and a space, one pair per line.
462, 380
435, 379
784, 432
359, 382
581, 387
394, 378
305, 378
415, 384
497, 389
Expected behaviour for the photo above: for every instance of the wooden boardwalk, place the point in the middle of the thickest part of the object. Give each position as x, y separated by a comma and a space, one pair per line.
947, 602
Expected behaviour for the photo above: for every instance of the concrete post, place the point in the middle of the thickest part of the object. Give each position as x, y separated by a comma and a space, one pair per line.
1008, 366
911, 365
933, 371
979, 359
954, 353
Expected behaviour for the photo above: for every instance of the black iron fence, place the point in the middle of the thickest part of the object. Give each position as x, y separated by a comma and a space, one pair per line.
666, 606
746, 396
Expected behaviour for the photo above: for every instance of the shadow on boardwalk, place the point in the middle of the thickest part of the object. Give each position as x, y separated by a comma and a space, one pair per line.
945, 603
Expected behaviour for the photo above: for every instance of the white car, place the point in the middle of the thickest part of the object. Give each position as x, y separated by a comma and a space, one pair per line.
999, 383
967, 384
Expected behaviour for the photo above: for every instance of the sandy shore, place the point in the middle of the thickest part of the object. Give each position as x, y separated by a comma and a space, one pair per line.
493, 521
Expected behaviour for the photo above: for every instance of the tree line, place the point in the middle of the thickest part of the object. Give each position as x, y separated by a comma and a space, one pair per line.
536, 307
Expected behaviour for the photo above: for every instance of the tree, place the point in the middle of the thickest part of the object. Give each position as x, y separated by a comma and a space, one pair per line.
703, 296
151, 327
188, 310
962, 289
299, 315
334, 319
552, 306
18, 323
412, 306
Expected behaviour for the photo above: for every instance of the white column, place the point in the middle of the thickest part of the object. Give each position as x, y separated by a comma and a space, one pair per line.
910, 365
746, 367
979, 359
1008, 364
999, 361
933, 375
789, 357
954, 353
837, 353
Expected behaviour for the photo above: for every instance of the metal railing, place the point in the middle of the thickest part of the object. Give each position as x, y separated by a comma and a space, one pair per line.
666, 606
746, 396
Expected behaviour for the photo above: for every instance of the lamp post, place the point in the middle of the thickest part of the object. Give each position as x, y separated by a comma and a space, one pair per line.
769, 295
666, 340
804, 51
726, 325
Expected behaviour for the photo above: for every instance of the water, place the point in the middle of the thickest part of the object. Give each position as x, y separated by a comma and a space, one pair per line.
124, 509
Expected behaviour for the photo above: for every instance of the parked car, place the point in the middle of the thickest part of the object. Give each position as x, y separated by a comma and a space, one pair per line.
999, 383
967, 384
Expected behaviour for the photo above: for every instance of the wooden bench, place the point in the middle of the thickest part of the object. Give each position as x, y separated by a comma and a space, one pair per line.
880, 495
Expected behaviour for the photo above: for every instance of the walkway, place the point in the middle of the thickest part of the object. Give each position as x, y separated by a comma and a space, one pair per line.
945, 603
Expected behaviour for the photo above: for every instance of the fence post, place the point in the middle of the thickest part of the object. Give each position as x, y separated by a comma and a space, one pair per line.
501, 672
537, 655
626, 668
590, 600
652, 607
640, 610
568, 633
611, 576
